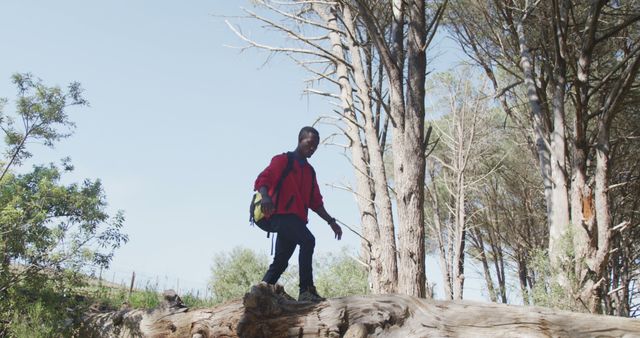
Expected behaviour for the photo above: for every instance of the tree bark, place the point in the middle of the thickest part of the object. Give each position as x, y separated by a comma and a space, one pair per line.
551, 164
371, 181
266, 312
576, 65
439, 234
410, 160
388, 259
478, 243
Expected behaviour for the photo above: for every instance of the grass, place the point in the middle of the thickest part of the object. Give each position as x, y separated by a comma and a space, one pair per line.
150, 297
49, 311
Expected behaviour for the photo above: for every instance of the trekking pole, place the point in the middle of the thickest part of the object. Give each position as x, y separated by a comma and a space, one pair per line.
355, 232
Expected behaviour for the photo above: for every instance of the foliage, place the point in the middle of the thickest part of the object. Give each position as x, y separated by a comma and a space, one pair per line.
52, 308
509, 221
235, 272
51, 234
547, 291
42, 112
150, 297
566, 73
466, 155
115, 298
35, 322
340, 275
195, 301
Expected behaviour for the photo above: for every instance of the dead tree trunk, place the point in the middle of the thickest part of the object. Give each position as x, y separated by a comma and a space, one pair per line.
268, 312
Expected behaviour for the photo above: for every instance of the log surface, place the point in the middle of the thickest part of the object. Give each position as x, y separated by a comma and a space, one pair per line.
268, 312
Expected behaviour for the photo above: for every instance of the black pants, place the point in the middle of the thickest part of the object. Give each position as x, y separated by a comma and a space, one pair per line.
292, 231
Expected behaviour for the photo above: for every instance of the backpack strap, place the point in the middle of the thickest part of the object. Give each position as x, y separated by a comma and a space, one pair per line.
313, 182
284, 174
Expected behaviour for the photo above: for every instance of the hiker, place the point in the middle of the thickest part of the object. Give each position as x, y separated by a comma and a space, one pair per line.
288, 210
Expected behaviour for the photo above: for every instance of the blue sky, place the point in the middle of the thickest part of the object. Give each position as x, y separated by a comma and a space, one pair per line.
179, 124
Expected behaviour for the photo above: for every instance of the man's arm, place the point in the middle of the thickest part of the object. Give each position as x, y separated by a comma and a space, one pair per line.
266, 204
337, 230
267, 179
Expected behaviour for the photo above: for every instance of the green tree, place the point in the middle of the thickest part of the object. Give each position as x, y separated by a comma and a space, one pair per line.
51, 234
40, 116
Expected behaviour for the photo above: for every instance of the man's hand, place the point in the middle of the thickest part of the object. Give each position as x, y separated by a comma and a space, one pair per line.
266, 205
337, 230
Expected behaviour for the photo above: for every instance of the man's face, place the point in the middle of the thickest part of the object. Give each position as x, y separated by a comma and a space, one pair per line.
308, 144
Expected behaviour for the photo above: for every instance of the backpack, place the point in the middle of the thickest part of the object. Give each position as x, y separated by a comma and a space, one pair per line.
255, 212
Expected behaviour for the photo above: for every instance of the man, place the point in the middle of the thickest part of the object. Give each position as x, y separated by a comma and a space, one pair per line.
288, 210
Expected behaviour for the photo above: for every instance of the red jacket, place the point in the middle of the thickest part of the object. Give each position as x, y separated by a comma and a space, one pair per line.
295, 193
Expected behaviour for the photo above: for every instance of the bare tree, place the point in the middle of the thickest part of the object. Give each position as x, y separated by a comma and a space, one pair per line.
366, 147
407, 114
463, 135
511, 227
622, 297
349, 43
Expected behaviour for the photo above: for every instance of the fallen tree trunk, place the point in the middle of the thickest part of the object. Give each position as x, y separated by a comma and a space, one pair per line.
269, 312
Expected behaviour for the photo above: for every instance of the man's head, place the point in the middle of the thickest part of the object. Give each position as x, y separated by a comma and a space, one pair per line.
308, 140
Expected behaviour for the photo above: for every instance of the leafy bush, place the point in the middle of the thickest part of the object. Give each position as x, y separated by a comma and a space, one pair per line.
341, 275
234, 273
46, 311
34, 321
549, 292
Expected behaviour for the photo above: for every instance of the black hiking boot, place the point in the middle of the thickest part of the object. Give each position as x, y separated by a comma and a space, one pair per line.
310, 295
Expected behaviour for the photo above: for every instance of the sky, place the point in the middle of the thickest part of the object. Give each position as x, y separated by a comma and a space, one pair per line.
178, 127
